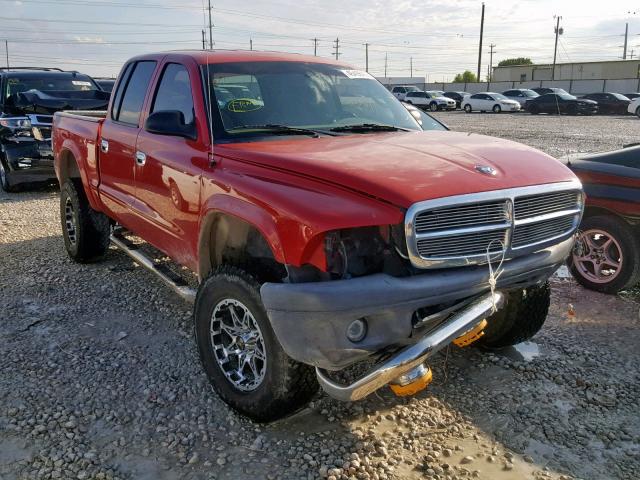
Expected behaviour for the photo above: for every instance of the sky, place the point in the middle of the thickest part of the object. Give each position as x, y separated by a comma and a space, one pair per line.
437, 38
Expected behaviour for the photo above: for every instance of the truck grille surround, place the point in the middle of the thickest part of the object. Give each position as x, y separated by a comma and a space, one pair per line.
460, 230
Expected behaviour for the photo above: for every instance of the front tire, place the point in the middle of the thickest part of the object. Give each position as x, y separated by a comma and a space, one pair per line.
5, 183
433, 106
467, 108
497, 109
534, 110
607, 255
84, 230
240, 352
521, 317
638, 112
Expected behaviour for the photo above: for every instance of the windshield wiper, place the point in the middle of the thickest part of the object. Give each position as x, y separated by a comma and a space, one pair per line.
369, 127
277, 129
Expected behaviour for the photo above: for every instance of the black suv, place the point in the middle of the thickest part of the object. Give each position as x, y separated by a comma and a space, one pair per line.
28, 99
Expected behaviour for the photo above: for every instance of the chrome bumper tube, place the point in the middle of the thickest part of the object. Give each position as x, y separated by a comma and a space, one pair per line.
413, 355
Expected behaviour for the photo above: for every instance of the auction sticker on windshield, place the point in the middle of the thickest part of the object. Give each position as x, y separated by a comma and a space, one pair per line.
356, 74
242, 105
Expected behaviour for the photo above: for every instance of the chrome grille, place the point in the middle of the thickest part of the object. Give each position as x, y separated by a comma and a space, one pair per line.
540, 231
463, 245
535, 205
461, 216
459, 230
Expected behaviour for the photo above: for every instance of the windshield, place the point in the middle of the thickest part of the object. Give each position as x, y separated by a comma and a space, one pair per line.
530, 93
566, 96
48, 82
296, 94
619, 96
412, 89
435, 94
499, 96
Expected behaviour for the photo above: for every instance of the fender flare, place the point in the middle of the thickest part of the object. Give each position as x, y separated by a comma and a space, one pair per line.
70, 152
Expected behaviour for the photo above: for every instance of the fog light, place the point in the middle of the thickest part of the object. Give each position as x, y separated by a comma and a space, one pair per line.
357, 330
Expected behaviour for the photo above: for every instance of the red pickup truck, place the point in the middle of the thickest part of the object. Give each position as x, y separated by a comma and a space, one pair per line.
328, 230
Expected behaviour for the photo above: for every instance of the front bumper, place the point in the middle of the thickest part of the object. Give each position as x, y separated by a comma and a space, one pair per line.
311, 319
28, 161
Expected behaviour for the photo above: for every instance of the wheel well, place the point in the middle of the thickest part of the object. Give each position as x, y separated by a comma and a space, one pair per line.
68, 167
590, 211
229, 240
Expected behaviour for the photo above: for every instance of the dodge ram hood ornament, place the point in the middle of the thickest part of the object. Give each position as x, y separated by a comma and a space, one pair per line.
486, 170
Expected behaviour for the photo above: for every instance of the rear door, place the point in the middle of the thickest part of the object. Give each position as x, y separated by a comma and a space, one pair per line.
118, 140
169, 168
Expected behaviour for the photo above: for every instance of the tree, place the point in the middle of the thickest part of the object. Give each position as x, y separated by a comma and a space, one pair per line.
515, 61
465, 77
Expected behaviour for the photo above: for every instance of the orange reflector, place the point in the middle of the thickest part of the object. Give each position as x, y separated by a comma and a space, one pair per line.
471, 336
413, 387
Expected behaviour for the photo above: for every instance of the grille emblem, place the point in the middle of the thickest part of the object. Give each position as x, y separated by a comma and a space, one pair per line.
486, 170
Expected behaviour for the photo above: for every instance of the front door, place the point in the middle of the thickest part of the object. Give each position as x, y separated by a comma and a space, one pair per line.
168, 171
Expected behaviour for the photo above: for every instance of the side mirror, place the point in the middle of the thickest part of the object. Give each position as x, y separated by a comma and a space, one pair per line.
170, 122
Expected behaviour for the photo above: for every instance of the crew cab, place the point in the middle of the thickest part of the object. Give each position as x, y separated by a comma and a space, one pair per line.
327, 228
28, 98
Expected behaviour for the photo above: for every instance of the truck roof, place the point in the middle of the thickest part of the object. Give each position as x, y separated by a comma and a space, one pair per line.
205, 57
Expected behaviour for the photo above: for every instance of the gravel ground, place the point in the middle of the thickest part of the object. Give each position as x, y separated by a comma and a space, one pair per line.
100, 377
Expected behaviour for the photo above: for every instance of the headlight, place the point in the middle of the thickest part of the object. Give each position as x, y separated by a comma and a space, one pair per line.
16, 123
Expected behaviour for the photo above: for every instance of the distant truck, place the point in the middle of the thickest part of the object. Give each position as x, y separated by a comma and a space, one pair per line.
28, 99
325, 226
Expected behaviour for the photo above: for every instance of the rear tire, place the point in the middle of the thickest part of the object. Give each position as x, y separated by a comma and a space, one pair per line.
84, 230
263, 390
638, 112
467, 108
521, 317
624, 248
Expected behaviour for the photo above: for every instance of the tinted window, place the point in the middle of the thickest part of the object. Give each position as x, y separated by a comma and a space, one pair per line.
174, 92
511, 93
124, 77
477, 96
134, 93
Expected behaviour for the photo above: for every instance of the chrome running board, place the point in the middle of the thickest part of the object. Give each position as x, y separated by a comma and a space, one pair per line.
165, 274
413, 355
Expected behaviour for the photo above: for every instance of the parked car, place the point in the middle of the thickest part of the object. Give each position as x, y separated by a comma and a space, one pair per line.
318, 241
401, 91
433, 100
561, 103
607, 254
634, 107
426, 121
457, 96
547, 90
106, 84
28, 99
610, 102
489, 102
520, 95
632, 96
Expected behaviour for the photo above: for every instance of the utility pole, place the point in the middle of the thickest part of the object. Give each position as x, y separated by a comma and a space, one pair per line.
204, 40
480, 48
210, 28
251, 44
337, 47
315, 47
385, 64
631, 55
6, 49
366, 57
491, 52
411, 67
626, 38
559, 32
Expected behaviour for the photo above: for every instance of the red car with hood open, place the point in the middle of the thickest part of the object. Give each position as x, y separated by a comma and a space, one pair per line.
326, 226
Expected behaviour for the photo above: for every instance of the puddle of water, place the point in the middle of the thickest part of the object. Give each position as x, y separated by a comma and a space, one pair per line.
522, 352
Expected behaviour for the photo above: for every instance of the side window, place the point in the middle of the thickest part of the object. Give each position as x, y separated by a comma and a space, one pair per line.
477, 96
117, 96
134, 93
510, 93
174, 92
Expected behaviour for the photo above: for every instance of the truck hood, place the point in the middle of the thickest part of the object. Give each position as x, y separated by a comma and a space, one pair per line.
49, 102
405, 167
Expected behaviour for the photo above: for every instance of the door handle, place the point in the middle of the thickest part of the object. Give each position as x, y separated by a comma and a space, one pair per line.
104, 146
141, 158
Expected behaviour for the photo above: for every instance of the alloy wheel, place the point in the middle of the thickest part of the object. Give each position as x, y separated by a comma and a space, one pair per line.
238, 344
70, 221
598, 256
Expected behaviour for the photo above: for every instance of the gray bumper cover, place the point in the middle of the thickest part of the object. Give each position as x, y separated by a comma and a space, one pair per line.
310, 319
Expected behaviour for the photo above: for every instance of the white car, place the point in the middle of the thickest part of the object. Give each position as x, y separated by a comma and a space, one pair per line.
433, 100
520, 95
489, 102
634, 107
401, 91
